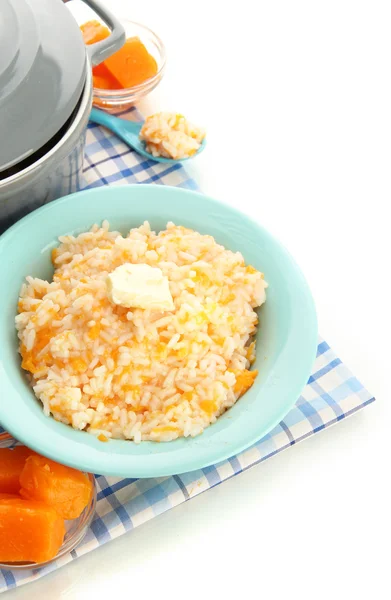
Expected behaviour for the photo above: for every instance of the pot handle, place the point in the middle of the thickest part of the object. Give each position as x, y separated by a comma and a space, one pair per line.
99, 51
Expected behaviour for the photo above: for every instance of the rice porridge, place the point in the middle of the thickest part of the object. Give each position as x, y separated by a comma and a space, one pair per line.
140, 373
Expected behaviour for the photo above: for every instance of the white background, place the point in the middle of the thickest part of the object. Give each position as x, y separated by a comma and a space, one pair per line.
296, 99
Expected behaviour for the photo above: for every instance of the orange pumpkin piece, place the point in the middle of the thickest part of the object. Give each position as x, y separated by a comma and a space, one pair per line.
132, 64
208, 406
30, 531
4, 496
65, 489
244, 380
103, 79
11, 464
129, 66
93, 32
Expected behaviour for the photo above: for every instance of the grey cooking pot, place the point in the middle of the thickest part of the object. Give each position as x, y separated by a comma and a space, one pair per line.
45, 101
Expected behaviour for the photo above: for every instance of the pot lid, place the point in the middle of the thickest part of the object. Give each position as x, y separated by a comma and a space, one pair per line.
42, 74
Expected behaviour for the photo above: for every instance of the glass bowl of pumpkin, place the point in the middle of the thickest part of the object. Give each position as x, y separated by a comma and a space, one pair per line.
45, 508
130, 73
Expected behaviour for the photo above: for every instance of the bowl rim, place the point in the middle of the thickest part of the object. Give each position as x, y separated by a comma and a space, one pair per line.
123, 93
197, 452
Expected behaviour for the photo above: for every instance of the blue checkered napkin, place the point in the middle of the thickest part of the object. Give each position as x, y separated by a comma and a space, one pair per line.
109, 161
332, 393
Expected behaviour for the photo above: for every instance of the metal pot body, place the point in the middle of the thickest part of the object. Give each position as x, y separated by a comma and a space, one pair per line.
59, 171
56, 174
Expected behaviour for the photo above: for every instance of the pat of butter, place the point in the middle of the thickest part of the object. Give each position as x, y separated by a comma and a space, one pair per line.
139, 286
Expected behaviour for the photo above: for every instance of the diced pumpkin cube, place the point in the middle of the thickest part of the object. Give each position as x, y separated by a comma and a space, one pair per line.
132, 64
67, 490
93, 32
29, 531
11, 464
103, 79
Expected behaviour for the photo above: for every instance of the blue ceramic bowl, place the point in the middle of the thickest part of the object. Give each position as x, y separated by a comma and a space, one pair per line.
286, 345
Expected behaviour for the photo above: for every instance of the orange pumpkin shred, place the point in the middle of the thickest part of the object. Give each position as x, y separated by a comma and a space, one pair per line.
67, 490
129, 66
11, 465
30, 531
244, 381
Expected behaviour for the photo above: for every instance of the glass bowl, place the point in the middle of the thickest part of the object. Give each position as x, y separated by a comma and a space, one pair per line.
75, 532
117, 100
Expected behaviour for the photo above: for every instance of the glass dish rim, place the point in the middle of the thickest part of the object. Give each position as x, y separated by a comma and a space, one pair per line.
85, 521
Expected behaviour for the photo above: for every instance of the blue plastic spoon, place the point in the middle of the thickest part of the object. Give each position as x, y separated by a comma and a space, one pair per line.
129, 131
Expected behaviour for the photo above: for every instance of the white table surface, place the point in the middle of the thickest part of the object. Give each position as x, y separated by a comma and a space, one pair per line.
296, 100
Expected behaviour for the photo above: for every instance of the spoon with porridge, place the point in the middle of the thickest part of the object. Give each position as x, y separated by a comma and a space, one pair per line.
163, 137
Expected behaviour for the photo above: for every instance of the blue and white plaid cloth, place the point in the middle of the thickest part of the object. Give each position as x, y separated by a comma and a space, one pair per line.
331, 394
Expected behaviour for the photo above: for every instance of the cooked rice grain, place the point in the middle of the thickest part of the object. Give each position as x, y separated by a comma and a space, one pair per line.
132, 373
171, 135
